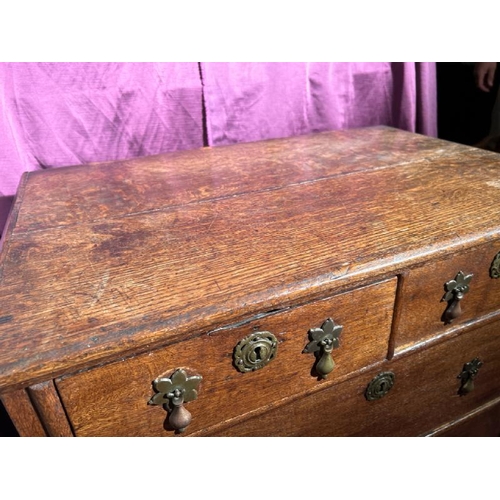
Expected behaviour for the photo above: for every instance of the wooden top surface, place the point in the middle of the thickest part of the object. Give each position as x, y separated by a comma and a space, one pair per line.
109, 259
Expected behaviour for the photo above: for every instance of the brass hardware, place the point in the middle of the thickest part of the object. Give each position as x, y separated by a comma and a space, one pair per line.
379, 386
469, 372
255, 351
455, 291
495, 267
323, 341
173, 392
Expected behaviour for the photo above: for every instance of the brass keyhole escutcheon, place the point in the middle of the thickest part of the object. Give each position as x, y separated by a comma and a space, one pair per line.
379, 386
255, 351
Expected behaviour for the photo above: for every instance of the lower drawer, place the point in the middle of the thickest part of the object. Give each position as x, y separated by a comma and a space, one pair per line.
112, 400
483, 422
425, 395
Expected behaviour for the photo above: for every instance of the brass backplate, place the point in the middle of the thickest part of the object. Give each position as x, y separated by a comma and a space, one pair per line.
458, 287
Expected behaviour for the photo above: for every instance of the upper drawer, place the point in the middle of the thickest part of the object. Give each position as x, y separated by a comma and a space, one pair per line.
113, 399
423, 307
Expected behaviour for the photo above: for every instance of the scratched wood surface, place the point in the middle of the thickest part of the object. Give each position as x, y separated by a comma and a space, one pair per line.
102, 191
114, 259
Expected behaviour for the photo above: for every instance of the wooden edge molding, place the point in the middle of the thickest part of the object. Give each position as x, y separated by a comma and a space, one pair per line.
7, 230
48, 405
465, 419
23, 414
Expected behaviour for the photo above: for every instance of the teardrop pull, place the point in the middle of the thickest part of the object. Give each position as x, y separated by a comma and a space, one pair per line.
453, 311
180, 418
467, 387
325, 364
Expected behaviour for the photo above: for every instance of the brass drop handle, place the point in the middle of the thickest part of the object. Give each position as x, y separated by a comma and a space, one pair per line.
173, 392
455, 291
323, 341
467, 376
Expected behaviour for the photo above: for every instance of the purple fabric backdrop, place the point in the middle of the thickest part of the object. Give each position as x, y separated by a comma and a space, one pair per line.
55, 114
252, 101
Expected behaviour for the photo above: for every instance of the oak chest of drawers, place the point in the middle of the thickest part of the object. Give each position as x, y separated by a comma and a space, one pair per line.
338, 284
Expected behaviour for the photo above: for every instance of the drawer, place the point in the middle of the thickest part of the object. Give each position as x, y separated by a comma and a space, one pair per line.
425, 395
113, 399
483, 422
424, 288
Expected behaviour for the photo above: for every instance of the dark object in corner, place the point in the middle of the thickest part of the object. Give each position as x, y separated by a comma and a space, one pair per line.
464, 111
7, 428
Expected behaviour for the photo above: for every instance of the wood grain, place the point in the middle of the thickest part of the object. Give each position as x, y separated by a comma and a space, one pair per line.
424, 396
48, 405
113, 400
103, 191
482, 422
205, 239
23, 415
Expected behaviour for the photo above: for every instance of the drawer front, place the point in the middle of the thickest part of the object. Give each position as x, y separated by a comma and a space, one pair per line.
113, 399
425, 395
424, 288
483, 422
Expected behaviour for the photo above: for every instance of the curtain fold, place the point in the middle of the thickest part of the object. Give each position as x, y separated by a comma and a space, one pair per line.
254, 101
55, 114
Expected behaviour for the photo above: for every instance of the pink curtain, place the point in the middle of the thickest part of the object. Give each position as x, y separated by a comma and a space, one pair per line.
253, 101
55, 114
